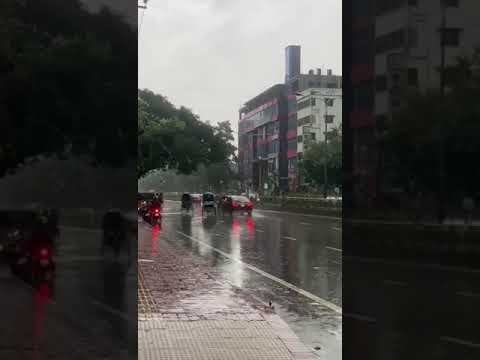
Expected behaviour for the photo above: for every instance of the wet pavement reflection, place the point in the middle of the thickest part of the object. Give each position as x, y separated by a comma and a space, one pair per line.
286, 252
88, 310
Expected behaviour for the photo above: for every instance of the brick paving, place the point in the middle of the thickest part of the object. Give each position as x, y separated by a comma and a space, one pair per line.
186, 312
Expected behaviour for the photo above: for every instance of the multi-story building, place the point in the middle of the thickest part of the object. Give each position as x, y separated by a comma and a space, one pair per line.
268, 128
318, 110
263, 145
396, 47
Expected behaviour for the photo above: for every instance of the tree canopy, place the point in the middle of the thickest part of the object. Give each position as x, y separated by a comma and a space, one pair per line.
64, 83
175, 138
319, 153
429, 126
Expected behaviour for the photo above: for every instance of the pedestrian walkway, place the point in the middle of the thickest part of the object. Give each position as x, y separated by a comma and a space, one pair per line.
186, 311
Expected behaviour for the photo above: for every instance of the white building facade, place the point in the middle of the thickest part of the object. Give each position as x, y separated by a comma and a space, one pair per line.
408, 46
318, 109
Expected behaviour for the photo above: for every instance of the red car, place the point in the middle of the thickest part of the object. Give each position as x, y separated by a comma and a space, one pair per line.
233, 203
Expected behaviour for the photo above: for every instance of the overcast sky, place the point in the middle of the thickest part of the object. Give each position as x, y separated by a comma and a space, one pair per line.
213, 55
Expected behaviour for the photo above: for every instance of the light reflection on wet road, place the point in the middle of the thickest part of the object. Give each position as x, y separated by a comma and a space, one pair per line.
304, 252
92, 299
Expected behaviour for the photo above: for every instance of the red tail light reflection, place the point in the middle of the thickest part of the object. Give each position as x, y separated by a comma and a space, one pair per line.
250, 226
235, 226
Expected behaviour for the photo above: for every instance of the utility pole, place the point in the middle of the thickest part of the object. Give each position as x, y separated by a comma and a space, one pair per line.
325, 177
441, 145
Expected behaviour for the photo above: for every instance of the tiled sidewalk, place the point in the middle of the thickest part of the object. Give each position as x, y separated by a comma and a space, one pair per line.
186, 312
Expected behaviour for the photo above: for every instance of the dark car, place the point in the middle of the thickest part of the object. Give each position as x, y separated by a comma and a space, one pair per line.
233, 203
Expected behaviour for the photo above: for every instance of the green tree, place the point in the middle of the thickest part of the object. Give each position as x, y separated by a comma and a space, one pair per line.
430, 126
319, 154
175, 138
59, 85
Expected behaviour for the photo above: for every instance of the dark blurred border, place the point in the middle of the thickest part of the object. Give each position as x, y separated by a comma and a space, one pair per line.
411, 285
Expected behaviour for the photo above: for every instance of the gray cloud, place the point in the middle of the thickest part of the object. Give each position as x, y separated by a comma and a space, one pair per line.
213, 55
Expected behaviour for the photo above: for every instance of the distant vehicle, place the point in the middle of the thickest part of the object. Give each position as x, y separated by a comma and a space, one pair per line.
208, 203
233, 203
186, 201
196, 198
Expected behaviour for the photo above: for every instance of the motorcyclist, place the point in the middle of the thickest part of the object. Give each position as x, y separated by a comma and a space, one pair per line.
156, 202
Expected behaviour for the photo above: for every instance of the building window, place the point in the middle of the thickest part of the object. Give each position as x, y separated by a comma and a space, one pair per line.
313, 101
313, 136
329, 102
292, 163
412, 38
451, 37
412, 77
303, 104
390, 41
451, 3
331, 85
385, 6
329, 119
300, 138
305, 120
311, 84
381, 83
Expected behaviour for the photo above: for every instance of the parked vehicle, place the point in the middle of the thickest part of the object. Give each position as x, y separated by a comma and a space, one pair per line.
237, 203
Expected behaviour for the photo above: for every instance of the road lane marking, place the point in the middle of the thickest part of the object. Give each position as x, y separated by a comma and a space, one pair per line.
467, 294
337, 228
60, 259
332, 248
145, 260
260, 230
360, 317
460, 341
290, 238
411, 264
305, 293
395, 282
305, 223
73, 228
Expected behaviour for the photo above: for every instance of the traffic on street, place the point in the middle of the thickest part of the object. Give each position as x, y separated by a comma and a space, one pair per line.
290, 263
85, 308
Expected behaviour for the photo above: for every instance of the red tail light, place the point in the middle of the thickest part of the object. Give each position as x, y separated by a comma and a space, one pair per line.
250, 205
235, 204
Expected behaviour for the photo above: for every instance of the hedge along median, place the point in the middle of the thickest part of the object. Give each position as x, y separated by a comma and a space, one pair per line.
448, 245
314, 206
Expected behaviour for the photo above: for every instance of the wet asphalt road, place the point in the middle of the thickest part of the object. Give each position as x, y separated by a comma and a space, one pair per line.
289, 259
92, 297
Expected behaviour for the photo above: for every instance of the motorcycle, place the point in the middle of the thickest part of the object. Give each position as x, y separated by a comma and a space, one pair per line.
155, 215
36, 264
